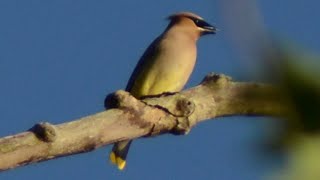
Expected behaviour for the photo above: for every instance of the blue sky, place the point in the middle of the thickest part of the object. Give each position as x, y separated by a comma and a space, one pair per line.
58, 60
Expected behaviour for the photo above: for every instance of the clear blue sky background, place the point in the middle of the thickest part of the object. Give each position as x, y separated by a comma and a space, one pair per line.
58, 60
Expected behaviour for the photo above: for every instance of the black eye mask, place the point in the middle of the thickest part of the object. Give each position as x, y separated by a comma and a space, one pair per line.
202, 24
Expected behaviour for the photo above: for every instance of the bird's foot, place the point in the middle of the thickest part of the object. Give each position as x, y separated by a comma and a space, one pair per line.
182, 127
184, 108
158, 95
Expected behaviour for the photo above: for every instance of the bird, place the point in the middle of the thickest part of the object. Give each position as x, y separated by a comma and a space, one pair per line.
165, 66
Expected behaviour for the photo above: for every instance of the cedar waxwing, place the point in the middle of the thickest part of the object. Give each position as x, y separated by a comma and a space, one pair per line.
165, 66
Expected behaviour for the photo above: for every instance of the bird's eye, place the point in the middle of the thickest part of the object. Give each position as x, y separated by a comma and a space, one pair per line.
196, 21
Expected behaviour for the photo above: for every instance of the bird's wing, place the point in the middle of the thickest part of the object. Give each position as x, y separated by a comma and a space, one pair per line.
151, 53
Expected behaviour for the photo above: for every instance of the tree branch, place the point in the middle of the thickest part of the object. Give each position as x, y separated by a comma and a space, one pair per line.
129, 118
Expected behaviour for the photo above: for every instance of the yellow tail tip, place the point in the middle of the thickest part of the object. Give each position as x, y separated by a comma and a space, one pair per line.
121, 163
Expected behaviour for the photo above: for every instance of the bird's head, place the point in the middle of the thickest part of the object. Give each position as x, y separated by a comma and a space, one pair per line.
192, 21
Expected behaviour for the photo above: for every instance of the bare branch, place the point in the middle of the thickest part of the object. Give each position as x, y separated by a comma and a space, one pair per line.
129, 118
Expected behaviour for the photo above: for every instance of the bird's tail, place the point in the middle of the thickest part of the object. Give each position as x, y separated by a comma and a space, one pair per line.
119, 153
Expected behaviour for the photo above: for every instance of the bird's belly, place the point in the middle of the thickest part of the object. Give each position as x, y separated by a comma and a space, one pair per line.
164, 76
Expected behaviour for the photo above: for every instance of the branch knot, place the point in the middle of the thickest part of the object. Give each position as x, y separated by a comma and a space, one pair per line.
216, 79
45, 131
